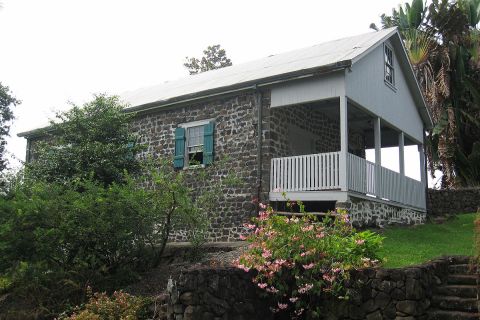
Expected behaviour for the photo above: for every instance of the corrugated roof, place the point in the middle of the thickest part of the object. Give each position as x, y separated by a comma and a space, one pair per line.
317, 56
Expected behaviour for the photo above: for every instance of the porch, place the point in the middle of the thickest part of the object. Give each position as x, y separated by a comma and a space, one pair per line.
321, 177
322, 150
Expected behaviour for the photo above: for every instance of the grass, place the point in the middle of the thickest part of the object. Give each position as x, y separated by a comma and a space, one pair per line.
405, 246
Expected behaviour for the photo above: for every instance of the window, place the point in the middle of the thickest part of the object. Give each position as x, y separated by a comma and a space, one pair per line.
194, 144
389, 70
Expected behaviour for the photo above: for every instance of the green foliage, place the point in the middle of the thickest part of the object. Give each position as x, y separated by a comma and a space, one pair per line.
442, 42
213, 58
119, 306
7, 101
58, 238
91, 141
301, 260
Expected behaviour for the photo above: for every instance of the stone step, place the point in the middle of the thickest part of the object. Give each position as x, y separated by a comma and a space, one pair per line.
455, 303
452, 315
463, 291
459, 260
461, 269
462, 279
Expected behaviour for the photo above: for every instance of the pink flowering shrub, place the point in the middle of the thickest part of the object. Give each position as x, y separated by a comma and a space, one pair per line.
299, 259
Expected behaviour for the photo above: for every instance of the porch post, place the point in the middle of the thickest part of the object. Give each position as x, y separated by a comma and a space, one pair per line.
422, 163
401, 164
343, 143
377, 133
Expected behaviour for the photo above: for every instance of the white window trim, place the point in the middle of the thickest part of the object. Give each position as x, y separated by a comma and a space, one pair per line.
187, 125
390, 85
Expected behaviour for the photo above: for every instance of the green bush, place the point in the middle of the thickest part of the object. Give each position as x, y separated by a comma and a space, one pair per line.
298, 260
58, 238
118, 306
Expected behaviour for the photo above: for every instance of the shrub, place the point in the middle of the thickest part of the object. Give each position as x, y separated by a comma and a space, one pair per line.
300, 259
118, 306
58, 238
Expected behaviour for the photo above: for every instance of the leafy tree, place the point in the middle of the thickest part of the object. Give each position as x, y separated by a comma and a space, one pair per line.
213, 58
443, 44
92, 140
7, 101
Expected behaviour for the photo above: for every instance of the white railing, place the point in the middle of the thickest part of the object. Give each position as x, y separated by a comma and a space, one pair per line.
315, 172
306, 173
367, 178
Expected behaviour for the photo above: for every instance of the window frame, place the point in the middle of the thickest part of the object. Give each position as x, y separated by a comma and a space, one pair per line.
390, 66
186, 126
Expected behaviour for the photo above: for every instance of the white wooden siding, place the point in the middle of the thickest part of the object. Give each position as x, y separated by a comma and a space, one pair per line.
302, 91
365, 85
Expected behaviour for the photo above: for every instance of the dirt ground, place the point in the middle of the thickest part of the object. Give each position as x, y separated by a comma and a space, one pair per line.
178, 258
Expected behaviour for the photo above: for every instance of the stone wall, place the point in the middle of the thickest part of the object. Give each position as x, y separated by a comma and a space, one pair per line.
441, 202
323, 130
228, 293
367, 213
235, 136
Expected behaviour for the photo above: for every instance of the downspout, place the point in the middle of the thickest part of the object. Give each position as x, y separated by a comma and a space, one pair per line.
29, 152
258, 102
425, 170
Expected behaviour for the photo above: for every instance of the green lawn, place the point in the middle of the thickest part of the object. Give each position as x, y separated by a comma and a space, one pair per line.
405, 246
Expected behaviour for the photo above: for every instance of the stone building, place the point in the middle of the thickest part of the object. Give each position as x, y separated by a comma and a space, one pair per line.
297, 124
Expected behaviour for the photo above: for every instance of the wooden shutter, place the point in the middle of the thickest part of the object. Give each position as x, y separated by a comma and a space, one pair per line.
130, 147
179, 159
208, 143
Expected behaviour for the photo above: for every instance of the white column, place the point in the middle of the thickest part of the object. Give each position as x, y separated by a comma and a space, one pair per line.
421, 151
377, 133
401, 164
343, 143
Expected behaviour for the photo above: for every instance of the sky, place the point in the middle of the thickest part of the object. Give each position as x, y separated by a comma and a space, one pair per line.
59, 51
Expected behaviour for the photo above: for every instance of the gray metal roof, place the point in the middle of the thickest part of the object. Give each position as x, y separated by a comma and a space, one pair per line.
336, 54
327, 55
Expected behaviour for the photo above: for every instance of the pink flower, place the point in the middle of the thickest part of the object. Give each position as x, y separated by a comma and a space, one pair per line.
243, 237
272, 289
360, 241
249, 226
280, 261
308, 266
262, 285
320, 235
299, 311
307, 287
244, 268
337, 270
262, 205
328, 278
293, 299
307, 228
282, 306
266, 253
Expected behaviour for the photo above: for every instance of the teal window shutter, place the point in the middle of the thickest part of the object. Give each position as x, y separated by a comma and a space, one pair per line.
179, 159
130, 146
208, 143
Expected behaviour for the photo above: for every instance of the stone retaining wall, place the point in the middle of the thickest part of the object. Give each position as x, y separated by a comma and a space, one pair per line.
228, 293
441, 202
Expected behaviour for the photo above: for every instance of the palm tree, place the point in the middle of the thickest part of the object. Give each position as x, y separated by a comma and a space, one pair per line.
442, 42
